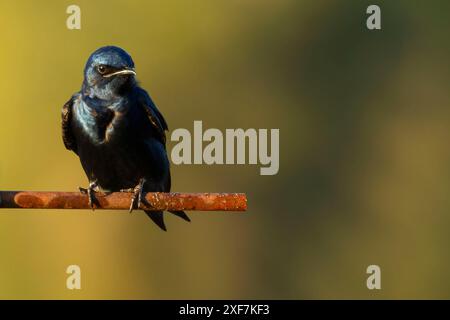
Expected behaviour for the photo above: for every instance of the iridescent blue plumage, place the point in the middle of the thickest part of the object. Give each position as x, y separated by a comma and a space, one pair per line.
116, 130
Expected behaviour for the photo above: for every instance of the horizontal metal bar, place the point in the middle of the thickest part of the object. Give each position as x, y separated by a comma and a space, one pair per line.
122, 200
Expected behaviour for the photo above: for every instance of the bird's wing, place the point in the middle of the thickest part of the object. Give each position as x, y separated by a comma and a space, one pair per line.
155, 118
66, 124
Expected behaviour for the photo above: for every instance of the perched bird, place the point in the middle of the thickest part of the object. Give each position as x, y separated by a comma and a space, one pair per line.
117, 132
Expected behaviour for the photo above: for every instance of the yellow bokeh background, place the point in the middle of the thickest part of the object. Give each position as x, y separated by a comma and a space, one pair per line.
364, 149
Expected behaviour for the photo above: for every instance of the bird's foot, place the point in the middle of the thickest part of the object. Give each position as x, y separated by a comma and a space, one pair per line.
90, 191
138, 196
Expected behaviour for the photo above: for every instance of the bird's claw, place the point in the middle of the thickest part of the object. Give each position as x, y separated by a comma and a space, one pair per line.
138, 196
90, 191
135, 200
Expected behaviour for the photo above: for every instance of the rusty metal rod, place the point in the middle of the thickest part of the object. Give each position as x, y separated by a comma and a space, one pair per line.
122, 200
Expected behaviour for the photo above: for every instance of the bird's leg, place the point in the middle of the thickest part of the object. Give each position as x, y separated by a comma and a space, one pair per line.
90, 191
138, 197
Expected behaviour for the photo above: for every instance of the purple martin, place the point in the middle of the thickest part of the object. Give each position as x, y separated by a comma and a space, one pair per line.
117, 132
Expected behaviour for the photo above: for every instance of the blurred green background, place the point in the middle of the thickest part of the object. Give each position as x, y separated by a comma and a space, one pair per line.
364, 149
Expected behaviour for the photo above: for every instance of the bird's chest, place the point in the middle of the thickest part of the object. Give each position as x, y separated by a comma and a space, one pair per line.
102, 126
107, 147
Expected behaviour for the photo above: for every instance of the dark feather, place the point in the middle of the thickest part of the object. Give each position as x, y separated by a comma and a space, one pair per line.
158, 218
66, 123
181, 214
154, 116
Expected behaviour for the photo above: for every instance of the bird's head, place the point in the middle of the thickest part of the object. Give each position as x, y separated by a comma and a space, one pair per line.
108, 73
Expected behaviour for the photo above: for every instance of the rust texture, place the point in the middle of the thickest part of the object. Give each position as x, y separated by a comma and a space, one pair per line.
121, 200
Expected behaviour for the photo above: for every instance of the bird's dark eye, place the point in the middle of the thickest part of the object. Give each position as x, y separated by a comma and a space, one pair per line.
101, 69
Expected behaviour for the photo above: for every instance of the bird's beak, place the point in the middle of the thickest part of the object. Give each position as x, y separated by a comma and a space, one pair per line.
120, 72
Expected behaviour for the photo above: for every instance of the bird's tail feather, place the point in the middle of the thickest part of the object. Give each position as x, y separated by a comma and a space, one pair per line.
158, 218
181, 214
